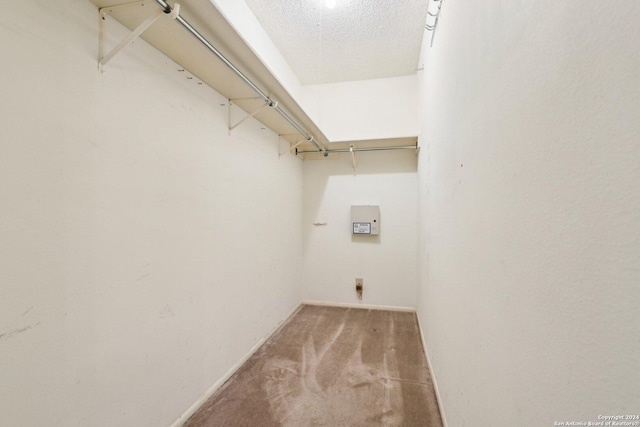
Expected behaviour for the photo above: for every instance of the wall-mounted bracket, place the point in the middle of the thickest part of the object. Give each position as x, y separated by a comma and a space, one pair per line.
104, 11
292, 147
432, 19
256, 111
353, 157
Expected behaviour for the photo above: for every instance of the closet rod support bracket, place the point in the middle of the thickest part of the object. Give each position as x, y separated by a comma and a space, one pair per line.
353, 157
292, 147
137, 32
250, 115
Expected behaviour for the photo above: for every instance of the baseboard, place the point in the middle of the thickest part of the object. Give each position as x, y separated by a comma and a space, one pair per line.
433, 376
365, 306
192, 410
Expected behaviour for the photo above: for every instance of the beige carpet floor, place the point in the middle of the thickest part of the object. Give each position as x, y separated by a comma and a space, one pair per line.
331, 366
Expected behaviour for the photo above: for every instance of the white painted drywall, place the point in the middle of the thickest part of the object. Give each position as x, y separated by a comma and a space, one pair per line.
245, 23
333, 257
143, 250
529, 183
367, 109
348, 111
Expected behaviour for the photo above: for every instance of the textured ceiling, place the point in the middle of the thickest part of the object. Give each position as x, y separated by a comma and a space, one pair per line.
356, 40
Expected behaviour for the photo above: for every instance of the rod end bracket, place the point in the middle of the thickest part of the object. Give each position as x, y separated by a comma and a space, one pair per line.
175, 12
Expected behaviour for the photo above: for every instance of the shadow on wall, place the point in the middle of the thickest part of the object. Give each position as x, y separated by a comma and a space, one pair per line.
366, 239
369, 162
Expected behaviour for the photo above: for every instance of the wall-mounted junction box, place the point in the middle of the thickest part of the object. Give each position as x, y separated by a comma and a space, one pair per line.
365, 219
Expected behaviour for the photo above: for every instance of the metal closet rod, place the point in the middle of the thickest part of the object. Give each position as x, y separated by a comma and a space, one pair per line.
167, 9
348, 150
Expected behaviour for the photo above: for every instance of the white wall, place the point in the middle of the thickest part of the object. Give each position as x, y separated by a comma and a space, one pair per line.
143, 250
367, 109
333, 257
347, 111
530, 211
245, 23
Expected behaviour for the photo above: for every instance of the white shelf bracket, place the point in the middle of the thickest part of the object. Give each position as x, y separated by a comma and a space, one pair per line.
296, 144
292, 147
353, 157
103, 12
244, 119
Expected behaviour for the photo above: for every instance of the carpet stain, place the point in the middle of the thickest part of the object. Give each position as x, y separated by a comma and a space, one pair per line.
331, 366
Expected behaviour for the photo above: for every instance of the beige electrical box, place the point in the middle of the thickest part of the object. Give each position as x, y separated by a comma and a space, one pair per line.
365, 219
